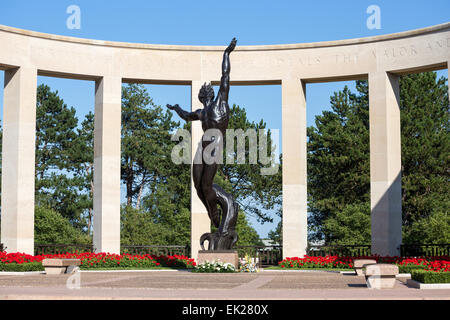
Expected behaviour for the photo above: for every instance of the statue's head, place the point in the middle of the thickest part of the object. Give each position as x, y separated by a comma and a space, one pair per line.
206, 94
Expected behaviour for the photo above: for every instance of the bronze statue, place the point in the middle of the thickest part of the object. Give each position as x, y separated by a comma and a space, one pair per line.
214, 115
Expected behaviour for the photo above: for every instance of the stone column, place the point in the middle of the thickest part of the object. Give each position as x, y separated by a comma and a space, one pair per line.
385, 164
18, 160
200, 222
294, 223
107, 135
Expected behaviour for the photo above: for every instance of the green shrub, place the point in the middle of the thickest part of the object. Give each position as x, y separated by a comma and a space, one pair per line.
126, 262
408, 268
51, 227
425, 276
23, 267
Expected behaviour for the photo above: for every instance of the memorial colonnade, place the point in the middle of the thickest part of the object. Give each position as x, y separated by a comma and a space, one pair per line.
381, 59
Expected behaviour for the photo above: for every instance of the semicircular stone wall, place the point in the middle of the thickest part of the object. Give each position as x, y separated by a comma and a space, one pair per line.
381, 59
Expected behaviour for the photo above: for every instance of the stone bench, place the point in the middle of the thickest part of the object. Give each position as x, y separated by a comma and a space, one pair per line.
380, 276
60, 266
358, 265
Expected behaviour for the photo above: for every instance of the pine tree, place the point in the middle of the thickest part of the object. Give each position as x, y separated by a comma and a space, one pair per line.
425, 128
338, 164
258, 195
145, 141
82, 158
56, 184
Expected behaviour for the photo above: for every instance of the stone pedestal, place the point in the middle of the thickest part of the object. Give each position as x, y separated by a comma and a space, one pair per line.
224, 256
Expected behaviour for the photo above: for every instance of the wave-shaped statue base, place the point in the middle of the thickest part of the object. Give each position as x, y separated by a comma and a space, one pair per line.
226, 236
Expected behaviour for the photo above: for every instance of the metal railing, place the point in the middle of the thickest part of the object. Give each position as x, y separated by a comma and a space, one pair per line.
266, 255
424, 250
61, 248
141, 249
339, 250
168, 250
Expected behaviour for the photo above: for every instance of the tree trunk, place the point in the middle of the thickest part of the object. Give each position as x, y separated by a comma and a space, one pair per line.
138, 201
129, 183
90, 221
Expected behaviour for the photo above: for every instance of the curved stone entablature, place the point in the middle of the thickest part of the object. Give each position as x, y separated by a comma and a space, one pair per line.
342, 59
380, 60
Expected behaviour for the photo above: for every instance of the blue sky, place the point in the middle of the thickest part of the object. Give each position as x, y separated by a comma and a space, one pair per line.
215, 23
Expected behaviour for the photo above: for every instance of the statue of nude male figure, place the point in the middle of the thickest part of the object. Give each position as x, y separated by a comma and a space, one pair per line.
214, 115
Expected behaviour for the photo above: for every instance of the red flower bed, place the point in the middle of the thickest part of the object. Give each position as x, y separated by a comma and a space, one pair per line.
437, 264
104, 260
18, 258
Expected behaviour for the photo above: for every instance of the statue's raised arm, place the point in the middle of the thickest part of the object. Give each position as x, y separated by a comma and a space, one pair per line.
225, 80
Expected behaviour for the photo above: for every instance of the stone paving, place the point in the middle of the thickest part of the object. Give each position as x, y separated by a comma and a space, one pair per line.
184, 285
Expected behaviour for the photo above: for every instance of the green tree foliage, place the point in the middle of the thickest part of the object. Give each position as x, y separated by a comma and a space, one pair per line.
158, 191
338, 164
157, 208
139, 228
51, 227
246, 233
258, 195
276, 235
58, 183
156, 188
351, 225
425, 128
434, 228
82, 155
146, 143
165, 201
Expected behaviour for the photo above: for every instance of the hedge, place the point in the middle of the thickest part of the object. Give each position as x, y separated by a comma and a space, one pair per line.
425, 276
21, 267
408, 268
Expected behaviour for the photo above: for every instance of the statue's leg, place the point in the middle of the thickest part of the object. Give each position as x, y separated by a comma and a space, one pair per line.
209, 171
197, 172
227, 233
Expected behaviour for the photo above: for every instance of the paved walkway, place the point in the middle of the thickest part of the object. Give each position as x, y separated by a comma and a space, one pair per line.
183, 285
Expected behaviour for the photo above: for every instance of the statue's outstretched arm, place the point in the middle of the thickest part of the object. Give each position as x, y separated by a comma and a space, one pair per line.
186, 116
226, 68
